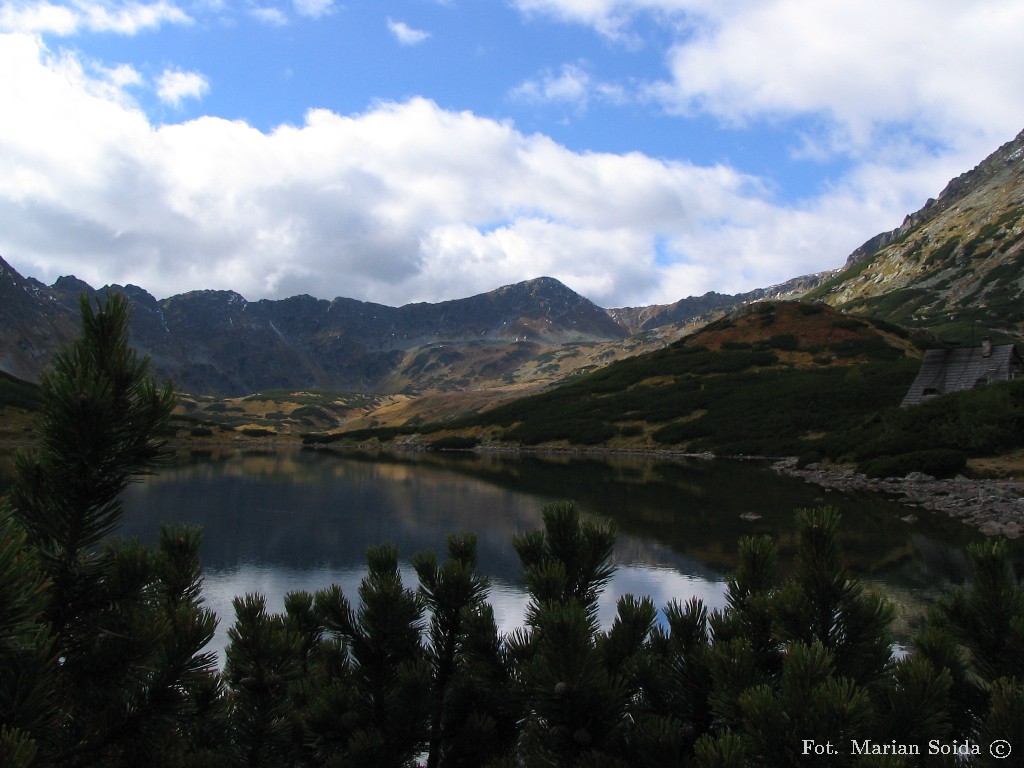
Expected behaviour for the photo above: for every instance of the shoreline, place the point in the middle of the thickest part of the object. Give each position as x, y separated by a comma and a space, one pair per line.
994, 507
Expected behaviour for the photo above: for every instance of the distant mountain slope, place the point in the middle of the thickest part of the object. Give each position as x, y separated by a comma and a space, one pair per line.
774, 379
956, 266
522, 336
216, 342
769, 379
32, 324
701, 309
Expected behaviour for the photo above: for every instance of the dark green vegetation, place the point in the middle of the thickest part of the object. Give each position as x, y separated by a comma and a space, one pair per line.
101, 640
750, 411
935, 437
454, 443
761, 384
17, 393
102, 661
18, 403
783, 380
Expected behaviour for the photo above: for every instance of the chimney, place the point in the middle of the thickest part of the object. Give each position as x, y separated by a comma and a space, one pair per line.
986, 346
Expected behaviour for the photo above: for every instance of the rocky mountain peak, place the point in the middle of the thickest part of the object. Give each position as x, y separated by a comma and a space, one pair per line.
1003, 168
215, 341
32, 324
956, 265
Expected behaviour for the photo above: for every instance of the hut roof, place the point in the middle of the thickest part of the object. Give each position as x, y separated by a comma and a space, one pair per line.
954, 370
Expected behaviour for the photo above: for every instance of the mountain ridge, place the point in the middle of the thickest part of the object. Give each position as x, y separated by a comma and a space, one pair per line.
215, 341
956, 266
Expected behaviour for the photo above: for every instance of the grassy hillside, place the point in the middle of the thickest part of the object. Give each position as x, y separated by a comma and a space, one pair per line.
955, 267
17, 393
764, 383
959, 287
18, 401
779, 379
767, 381
274, 412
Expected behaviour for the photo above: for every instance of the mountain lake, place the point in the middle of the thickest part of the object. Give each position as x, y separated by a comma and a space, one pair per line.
284, 519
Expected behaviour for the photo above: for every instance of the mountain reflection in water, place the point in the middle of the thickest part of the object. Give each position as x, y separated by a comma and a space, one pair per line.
282, 520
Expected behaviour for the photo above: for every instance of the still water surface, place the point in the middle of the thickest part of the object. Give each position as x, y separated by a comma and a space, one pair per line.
283, 520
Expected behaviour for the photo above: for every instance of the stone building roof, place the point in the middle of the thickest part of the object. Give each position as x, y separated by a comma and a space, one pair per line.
954, 370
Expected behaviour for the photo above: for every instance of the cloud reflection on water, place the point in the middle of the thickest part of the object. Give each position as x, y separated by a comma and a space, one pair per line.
508, 600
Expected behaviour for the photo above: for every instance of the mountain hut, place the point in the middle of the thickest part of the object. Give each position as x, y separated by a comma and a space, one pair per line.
954, 370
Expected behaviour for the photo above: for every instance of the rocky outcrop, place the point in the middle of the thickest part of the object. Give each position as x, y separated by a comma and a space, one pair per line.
957, 263
999, 169
711, 306
32, 324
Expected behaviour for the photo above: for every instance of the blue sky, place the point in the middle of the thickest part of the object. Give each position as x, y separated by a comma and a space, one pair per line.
640, 151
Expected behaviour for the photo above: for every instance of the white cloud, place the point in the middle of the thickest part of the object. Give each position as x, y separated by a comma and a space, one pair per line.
857, 72
174, 86
405, 34
404, 202
126, 18
275, 17
313, 8
859, 64
572, 84
612, 18
123, 75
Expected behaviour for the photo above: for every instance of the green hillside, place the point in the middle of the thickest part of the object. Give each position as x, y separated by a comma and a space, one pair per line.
964, 286
764, 383
778, 379
937, 436
17, 393
18, 402
769, 380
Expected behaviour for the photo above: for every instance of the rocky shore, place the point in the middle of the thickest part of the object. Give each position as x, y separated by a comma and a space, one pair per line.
995, 507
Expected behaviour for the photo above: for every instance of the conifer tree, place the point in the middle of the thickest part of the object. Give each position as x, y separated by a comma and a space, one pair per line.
485, 710
976, 636
805, 658
914, 704
27, 660
262, 660
373, 711
751, 597
568, 560
576, 697
675, 680
808, 701
1004, 720
126, 623
451, 592
821, 603
99, 427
